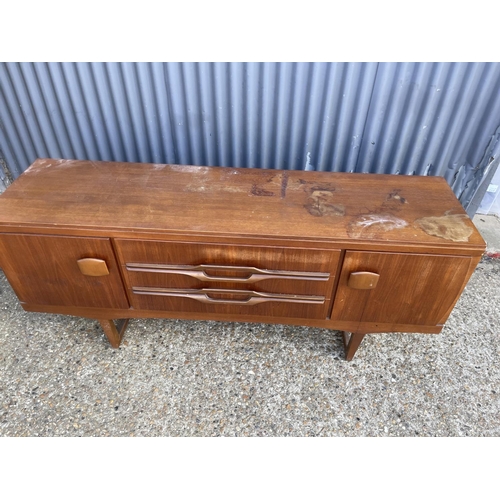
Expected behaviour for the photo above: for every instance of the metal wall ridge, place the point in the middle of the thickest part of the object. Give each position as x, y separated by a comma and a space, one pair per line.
400, 118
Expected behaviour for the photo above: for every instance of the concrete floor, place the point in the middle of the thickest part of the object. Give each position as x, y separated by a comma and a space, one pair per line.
59, 377
489, 227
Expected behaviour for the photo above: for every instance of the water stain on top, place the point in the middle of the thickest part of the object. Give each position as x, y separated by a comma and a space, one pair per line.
372, 224
326, 186
320, 203
449, 227
260, 191
185, 169
284, 183
395, 195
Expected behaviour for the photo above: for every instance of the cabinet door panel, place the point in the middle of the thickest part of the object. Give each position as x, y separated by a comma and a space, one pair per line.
411, 289
44, 270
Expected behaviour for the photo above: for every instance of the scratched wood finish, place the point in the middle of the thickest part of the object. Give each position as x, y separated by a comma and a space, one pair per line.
266, 258
43, 270
79, 195
412, 289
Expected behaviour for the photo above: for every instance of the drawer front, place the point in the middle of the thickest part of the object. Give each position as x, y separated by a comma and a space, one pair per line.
409, 289
228, 279
230, 302
63, 271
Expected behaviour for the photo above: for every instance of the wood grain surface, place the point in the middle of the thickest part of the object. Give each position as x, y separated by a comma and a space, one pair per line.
356, 252
412, 289
275, 308
307, 261
44, 270
351, 326
78, 195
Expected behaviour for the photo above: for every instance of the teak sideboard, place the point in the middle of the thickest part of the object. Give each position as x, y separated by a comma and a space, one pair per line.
359, 253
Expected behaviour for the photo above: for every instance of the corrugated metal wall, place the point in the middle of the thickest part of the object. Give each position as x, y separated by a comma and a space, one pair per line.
408, 118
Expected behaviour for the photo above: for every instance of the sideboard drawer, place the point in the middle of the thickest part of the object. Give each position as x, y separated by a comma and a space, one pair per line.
262, 269
228, 279
230, 302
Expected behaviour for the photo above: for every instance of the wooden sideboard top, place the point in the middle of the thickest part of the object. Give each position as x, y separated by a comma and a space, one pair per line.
76, 195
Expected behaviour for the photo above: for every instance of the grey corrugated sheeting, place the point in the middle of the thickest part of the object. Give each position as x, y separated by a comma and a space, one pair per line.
408, 118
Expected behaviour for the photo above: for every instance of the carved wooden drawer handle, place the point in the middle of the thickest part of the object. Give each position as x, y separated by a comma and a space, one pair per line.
93, 267
200, 272
363, 280
250, 297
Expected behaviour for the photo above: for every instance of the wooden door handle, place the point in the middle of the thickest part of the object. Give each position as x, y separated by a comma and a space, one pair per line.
363, 280
93, 267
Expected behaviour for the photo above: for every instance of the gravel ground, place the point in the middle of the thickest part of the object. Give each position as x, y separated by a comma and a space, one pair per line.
59, 377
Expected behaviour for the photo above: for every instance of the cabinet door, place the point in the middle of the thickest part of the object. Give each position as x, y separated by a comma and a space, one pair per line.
411, 289
44, 270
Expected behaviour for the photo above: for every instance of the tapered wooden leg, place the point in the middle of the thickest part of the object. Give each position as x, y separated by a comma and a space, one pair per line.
113, 332
351, 343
